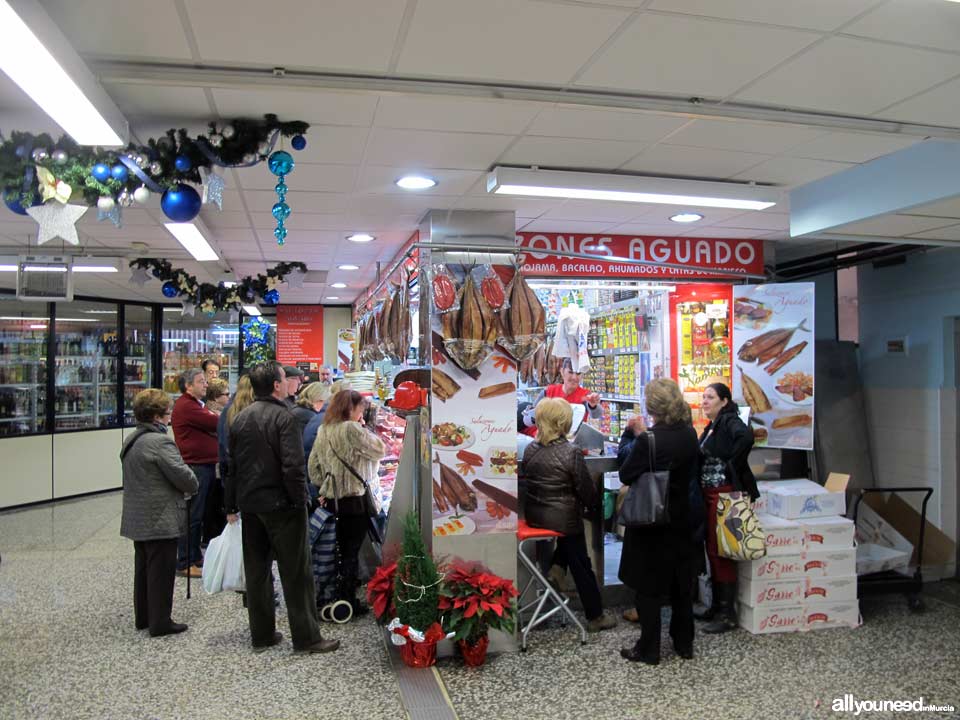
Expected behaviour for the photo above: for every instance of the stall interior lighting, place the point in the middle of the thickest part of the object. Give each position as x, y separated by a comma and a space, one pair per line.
600, 286
629, 188
193, 241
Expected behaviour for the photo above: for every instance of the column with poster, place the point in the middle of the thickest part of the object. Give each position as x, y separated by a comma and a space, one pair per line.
346, 339
773, 362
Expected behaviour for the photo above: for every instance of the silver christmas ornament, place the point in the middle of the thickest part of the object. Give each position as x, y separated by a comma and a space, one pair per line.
60, 157
105, 203
216, 140
141, 160
249, 158
156, 168
228, 132
39, 155
141, 195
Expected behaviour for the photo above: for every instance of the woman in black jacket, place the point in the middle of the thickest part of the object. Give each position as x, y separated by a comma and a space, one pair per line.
656, 561
558, 488
725, 445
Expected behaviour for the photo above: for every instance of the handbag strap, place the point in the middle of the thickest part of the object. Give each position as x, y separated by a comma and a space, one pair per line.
348, 467
652, 450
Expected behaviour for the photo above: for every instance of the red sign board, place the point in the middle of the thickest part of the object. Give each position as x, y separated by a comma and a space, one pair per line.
729, 255
300, 334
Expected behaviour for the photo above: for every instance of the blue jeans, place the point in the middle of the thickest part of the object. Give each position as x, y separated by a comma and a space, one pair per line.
206, 476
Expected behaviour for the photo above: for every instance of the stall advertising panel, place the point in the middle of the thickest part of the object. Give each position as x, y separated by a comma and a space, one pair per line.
346, 339
300, 334
729, 255
474, 408
773, 362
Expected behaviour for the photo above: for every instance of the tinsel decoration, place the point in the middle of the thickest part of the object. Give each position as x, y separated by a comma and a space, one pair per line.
257, 347
210, 298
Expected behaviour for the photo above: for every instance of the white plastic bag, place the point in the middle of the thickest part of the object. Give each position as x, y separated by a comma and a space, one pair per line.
223, 561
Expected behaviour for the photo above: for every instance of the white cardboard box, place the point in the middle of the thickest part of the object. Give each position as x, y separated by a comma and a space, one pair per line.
819, 615
771, 593
804, 499
873, 558
782, 536
830, 589
811, 616
873, 529
836, 562
765, 486
827, 532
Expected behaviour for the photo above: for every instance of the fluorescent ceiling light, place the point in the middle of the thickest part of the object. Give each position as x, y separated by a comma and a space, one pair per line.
37, 327
252, 310
8, 268
45, 268
189, 235
360, 237
34, 53
94, 269
343, 285
229, 283
175, 340
169, 309
416, 182
333, 297
349, 267
686, 217
100, 312
629, 188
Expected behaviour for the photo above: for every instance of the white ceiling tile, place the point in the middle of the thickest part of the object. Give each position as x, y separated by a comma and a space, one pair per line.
330, 144
760, 220
568, 226
721, 232
422, 150
300, 200
931, 23
893, 225
945, 233
514, 40
526, 207
224, 220
380, 180
684, 55
935, 107
453, 114
596, 211
847, 75
313, 177
312, 105
791, 171
769, 138
852, 147
666, 229
158, 100
812, 14
334, 34
148, 30
944, 208
235, 236
579, 122
693, 162
571, 153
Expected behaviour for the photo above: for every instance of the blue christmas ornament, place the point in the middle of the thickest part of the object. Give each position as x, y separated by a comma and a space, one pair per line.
169, 289
181, 203
100, 172
156, 273
13, 199
119, 172
271, 297
182, 163
280, 233
280, 163
249, 294
281, 211
281, 189
299, 142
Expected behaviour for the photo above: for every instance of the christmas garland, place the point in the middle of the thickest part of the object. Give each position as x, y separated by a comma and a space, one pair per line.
209, 298
257, 347
165, 162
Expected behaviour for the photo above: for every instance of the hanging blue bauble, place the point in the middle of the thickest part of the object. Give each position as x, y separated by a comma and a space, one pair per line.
281, 189
119, 172
181, 203
156, 273
299, 142
249, 294
271, 297
169, 289
280, 211
280, 233
14, 201
100, 172
182, 163
280, 163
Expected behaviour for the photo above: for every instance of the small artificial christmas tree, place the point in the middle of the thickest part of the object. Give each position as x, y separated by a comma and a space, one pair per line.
416, 591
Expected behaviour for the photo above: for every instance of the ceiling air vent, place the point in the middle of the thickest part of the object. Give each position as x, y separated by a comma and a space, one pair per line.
43, 277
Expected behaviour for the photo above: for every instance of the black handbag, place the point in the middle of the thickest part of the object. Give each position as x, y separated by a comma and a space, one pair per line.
647, 501
369, 504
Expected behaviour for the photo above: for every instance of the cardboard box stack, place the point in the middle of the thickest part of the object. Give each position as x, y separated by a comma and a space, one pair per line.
808, 580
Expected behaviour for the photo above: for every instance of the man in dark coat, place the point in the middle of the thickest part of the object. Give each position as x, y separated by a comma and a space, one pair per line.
267, 483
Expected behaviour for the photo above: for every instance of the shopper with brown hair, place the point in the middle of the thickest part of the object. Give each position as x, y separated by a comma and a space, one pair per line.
218, 395
156, 482
657, 561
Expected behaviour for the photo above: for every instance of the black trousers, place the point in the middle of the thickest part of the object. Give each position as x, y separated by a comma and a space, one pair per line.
280, 535
154, 572
573, 551
681, 611
351, 530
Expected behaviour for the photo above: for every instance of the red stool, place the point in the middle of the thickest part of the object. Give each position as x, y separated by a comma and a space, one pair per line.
546, 601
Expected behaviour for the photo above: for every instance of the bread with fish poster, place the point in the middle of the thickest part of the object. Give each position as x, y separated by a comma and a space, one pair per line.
773, 368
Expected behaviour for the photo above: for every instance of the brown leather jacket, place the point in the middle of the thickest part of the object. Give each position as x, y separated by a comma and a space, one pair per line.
557, 487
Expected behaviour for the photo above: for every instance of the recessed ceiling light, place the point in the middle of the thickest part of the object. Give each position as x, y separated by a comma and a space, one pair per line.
416, 182
333, 297
338, 285
360, 237
252, 310
349, 267
686, 217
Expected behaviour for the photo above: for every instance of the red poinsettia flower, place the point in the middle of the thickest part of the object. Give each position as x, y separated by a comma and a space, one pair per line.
380, 591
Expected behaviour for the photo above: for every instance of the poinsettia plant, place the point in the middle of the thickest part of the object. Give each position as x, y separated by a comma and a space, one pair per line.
473, 600
380, 592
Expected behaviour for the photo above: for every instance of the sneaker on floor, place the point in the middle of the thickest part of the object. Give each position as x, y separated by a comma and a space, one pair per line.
631, 615
171, 629
323, 646
275, 640
604, 622
192, 571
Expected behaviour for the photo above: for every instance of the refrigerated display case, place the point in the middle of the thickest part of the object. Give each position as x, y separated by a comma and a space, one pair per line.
138, 352
390, 427
23, 367
188, 341
86, 366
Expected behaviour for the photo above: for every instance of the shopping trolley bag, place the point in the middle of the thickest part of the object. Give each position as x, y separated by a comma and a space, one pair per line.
323, 552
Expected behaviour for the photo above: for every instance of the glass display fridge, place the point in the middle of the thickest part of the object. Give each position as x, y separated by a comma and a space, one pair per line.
86, 366
188, 341
24, 328
138, 350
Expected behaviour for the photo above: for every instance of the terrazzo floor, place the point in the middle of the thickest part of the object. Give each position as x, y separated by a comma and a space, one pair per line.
68, 650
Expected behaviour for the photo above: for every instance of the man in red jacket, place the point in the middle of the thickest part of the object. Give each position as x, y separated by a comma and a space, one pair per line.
195, 432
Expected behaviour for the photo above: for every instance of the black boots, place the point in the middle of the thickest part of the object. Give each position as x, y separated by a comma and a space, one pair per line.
725, 613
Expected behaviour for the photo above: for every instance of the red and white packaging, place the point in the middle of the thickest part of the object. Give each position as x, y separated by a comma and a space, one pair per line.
771, 593
830, 589
765, 620
836, 562
821, 615
772, 568
819, 563
795, 499
827, 532
782, 536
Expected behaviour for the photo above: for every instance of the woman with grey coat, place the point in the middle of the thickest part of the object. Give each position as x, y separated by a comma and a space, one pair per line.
156, 485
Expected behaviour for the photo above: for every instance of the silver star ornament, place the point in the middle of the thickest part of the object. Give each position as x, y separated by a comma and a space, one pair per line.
139, 277
212, 187
295, 279
188, 308
57, 221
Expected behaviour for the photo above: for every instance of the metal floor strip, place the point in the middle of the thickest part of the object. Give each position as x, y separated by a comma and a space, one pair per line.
421, 690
